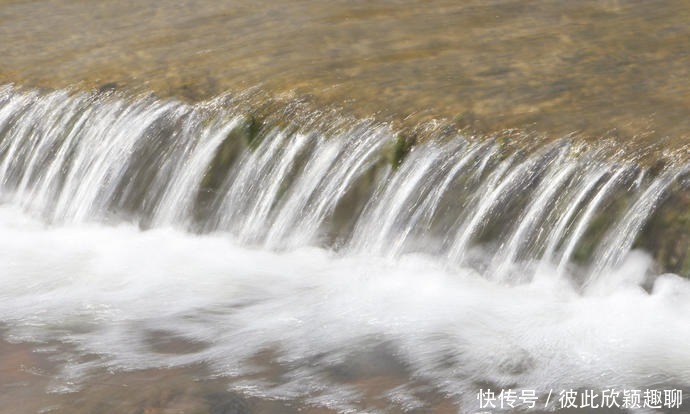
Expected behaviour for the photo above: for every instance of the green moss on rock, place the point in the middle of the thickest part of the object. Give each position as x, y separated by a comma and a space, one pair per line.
401, 146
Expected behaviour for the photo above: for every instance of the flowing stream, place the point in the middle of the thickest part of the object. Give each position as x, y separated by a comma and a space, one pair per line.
467, 265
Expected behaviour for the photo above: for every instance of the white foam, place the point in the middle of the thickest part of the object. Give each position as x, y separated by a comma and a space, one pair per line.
106, 289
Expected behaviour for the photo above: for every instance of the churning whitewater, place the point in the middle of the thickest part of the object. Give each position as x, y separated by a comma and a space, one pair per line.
464, 263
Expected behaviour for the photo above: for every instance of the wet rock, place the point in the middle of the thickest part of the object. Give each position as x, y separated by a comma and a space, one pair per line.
249, 130
667, 234
107, 87
610, 209
400, 147
227, 403
226, 155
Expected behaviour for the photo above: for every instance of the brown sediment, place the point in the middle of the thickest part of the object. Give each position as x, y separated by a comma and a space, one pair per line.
27, 377
611, 68
30, 374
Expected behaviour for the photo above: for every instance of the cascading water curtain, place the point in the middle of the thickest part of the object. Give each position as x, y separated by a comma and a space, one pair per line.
465, 266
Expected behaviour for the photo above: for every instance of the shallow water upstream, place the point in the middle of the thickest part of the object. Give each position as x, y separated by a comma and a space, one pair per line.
608, 67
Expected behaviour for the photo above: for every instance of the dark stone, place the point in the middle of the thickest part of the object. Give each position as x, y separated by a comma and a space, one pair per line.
667, 234
227, 403
107, 87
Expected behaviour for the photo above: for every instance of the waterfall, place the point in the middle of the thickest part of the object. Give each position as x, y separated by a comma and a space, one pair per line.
78, 157
311, 242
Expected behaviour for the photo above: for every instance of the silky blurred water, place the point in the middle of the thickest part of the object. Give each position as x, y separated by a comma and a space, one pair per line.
312, 328
210, 206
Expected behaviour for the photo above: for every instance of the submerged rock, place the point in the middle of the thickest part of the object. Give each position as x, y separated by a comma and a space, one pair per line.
667, 234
